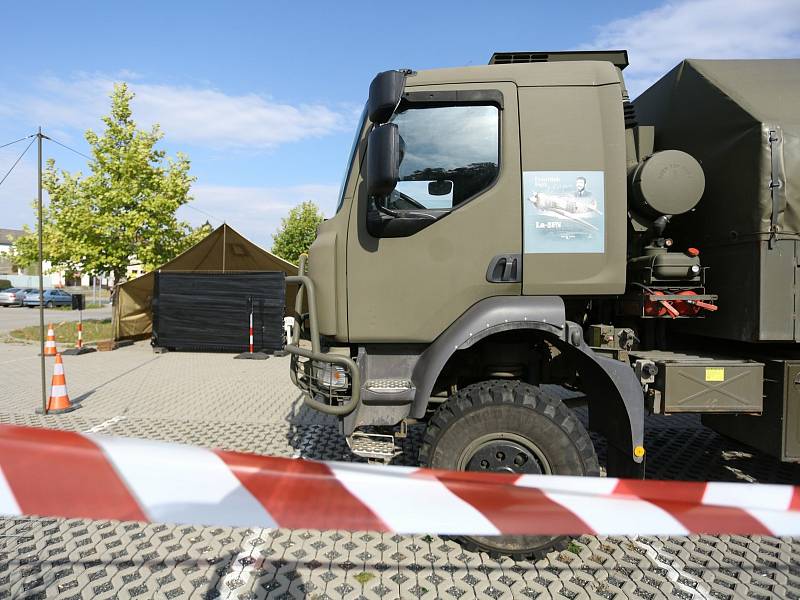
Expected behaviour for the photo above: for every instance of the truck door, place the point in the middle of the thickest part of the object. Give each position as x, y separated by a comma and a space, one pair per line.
460, 167
574, 192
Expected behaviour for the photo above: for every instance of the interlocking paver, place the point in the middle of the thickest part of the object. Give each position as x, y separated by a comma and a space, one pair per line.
213, 400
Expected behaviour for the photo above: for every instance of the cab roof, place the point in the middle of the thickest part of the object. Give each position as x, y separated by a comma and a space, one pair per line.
531, 74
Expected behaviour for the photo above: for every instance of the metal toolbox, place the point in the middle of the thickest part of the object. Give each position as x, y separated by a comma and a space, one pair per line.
688, 383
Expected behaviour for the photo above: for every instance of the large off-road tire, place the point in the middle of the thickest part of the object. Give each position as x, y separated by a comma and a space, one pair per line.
509, 426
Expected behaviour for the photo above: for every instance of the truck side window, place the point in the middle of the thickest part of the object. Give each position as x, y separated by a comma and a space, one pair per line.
449, 154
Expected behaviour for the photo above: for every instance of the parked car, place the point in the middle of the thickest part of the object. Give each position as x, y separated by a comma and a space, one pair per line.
52, 298
13, 296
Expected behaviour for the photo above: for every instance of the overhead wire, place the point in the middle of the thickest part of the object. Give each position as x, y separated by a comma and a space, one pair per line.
68, 148
19, 140
200, 210
16, 162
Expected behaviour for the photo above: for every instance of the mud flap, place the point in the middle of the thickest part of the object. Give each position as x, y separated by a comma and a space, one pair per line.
616, 409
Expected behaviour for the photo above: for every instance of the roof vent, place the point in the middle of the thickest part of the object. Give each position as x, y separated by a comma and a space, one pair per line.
619, 58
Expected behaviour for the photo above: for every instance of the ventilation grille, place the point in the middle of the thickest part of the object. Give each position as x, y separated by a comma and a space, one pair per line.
619, 58
630, 115
508, 58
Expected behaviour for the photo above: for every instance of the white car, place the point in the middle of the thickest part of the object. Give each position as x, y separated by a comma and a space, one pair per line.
13, 296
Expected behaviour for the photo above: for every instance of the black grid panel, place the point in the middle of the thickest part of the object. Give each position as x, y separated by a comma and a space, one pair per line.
211, 311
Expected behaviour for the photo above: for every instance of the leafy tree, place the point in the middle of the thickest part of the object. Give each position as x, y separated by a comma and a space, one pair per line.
297, 231
123, 210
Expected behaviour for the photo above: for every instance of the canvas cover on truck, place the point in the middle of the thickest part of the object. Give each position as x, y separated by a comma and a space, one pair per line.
741, 120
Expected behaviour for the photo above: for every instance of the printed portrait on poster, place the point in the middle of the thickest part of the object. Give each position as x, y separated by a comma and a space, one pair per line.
563, 211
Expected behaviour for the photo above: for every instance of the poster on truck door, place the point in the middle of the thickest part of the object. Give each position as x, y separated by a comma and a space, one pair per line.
563, 212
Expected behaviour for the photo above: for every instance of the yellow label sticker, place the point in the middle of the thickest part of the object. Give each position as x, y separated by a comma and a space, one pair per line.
715, 374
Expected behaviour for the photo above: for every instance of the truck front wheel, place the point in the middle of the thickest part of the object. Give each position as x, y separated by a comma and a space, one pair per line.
508, 426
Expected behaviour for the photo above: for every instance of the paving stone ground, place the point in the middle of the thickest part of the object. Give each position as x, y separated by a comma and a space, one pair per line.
213, 400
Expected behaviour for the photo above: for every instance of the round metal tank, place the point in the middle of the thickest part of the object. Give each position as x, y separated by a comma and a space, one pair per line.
669, 182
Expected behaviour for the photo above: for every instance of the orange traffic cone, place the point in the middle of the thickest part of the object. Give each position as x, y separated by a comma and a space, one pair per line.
59, 398
50, 344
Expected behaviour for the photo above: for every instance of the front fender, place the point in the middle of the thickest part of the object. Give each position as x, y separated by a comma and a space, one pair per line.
489, 316
615, 393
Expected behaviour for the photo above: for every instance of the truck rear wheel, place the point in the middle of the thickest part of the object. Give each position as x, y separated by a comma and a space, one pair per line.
508, 426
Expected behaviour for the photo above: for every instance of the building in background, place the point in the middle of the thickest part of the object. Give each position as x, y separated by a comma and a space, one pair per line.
28, 276
7, 239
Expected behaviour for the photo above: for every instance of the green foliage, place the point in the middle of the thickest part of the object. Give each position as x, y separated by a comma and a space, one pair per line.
124, 209
363, 577
297, 231
574, 547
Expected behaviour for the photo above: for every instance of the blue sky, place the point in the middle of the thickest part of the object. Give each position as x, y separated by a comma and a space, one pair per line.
263, 96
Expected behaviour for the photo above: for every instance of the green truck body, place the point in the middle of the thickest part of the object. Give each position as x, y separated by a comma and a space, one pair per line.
508, 230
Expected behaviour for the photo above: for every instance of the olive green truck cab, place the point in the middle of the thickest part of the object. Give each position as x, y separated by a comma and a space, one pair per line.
517, 239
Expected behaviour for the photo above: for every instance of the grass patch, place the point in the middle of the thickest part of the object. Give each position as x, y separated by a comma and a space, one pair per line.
574, 547
363, 577
67, 331
88, 306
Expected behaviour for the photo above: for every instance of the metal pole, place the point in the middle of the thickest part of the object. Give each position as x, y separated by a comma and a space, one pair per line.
251, 326
224, 247
80, 329
41, 277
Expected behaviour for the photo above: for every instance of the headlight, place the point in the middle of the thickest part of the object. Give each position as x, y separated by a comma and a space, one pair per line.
330, 376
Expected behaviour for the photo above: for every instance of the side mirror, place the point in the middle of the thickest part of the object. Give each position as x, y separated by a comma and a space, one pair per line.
440, 188
384, 95
383, 160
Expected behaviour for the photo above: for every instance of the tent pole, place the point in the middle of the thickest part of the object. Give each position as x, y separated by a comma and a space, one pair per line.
224, 245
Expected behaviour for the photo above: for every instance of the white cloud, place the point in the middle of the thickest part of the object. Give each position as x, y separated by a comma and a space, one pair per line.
255, 212
201, 116
660, 38
19, 190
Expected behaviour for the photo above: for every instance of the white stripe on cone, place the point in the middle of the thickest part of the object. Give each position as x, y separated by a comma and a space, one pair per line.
58, 391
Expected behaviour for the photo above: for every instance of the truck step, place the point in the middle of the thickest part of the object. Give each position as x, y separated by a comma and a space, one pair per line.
388, 391
375, 447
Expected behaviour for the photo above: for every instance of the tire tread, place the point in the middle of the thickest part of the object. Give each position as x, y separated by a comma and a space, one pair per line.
500, 391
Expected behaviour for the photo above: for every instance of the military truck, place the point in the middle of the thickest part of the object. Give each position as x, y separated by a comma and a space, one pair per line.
515, 239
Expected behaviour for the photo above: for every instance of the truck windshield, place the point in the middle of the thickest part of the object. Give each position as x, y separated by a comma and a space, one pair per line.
349, 168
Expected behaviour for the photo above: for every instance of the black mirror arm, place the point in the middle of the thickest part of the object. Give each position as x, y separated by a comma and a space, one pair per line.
381, 208
405, 214
423, 215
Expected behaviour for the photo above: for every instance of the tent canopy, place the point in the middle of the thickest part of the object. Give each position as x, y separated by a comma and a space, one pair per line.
224, 250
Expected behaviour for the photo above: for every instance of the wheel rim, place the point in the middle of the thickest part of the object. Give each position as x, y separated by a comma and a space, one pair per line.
505, 453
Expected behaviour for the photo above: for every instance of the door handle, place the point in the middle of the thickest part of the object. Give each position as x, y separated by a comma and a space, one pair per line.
505, 268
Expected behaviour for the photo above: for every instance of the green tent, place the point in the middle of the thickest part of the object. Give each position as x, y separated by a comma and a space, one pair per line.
224, 250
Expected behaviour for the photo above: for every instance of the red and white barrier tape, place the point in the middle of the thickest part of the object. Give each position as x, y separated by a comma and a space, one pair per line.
65, 474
